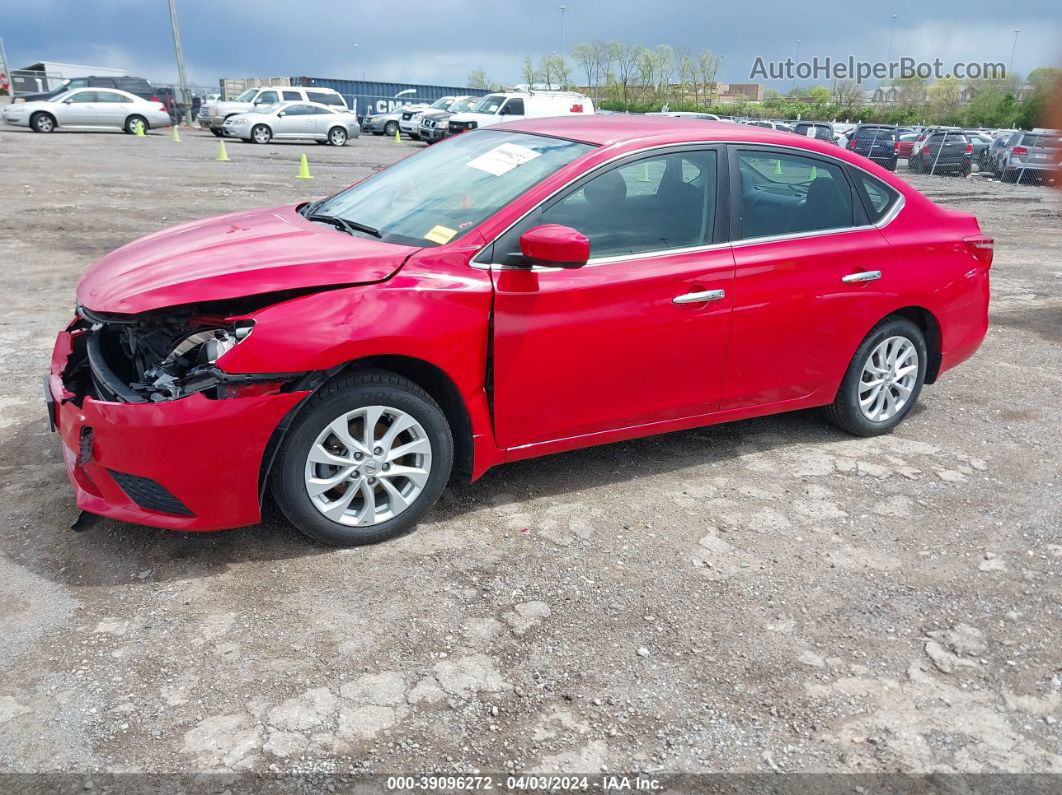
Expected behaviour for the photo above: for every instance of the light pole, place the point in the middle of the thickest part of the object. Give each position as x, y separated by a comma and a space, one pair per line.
180, 61
563, 8
796, 63
1013, 48
892, 36
357, 63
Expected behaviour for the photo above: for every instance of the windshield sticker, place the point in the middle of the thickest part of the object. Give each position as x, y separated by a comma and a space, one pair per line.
440, 234
503, 159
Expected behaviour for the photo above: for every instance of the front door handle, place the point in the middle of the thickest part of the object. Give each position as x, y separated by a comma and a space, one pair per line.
864, 276
699, 298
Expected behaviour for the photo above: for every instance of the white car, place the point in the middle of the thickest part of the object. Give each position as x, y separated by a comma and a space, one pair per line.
495, 108
409, 121
255, 98
290, 120
89, 109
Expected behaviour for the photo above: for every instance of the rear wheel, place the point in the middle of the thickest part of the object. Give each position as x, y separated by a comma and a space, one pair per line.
883, 380
391, 128
42, 122
261, 134
365, 459
337, 136
135, 123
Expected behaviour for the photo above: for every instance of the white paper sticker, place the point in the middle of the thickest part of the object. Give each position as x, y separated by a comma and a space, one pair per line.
503, 159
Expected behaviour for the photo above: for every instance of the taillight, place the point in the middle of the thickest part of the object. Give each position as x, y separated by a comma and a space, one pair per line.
981, 248
852, 144
1020, 151
156, 99
969, 149
163, 108
896, 147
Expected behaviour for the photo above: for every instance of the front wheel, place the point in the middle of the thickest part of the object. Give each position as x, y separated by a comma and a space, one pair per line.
217, 133
364, 460
43, 122
883, 380
337, 136
261, 134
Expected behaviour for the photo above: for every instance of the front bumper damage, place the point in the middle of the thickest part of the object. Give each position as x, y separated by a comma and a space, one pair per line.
182, 450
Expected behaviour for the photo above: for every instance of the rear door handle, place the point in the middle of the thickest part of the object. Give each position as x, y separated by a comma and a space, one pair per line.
864, 276
699, 298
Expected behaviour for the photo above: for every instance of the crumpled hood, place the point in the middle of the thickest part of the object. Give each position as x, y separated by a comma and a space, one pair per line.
231, 256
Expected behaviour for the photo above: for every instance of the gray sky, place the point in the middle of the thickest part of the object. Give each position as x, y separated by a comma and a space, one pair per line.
441, 41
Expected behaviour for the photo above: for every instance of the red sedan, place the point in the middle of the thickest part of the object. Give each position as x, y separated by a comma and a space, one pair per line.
520, 290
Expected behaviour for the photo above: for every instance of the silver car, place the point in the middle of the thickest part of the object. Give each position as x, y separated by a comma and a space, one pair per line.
89, 109
290, 120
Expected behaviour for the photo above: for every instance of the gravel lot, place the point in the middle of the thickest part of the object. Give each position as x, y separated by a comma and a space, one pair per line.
770, 595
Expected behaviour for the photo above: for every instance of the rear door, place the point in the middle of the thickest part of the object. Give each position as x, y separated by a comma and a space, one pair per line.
112, 108
639, 334
812, 276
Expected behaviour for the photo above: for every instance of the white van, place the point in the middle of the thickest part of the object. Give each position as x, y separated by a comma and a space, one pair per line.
495, 108
257, 98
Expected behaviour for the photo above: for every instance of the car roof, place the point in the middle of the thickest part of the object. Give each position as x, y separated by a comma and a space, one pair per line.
102, 90
619, 128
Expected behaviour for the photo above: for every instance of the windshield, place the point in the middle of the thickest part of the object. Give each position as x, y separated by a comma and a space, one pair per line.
247, 95
489, 104
439, 193
462, 105
440, 104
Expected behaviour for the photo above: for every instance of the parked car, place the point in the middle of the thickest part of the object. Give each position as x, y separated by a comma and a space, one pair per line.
986, 158
294, 120
770, 125
496, 108
875, 142
435, 124
89, 109
137, 86
820, 130
943, 152
254, 98
1030, 157
905, 143
388, 123
545, 288
409, 121
980, 140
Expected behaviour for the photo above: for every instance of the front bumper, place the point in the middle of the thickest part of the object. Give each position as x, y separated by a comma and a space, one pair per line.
189, 464
18, 119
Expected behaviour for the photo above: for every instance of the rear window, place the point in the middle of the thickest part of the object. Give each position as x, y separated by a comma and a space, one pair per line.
327, 99
875, 133
1051, 141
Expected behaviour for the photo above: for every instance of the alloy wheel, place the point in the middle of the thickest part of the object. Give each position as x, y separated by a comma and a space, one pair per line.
368, 466
888, 378
337, 137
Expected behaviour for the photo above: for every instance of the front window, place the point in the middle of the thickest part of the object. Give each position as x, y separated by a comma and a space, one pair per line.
438, 194
489, 104
267, 98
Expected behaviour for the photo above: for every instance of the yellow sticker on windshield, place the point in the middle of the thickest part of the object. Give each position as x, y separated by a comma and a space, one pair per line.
440, 234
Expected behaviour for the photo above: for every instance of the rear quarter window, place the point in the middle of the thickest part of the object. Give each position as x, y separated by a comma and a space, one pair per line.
877, 197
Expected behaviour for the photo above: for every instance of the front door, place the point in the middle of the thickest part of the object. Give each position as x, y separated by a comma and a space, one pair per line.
639, 334
78, 110
295, 121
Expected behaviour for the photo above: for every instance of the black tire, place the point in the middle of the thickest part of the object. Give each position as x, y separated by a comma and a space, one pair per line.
217, 133
133, 121
344, 394
43, 122
377, 133
845, 412
414, 136
261, 131
337, 136
390, 129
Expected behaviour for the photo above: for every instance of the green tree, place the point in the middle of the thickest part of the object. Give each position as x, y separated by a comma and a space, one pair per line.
477, 78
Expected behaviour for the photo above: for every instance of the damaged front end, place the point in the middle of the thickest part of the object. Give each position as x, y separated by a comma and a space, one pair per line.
160, 356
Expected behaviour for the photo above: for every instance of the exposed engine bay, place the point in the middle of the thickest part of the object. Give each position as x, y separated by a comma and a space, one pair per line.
158, 356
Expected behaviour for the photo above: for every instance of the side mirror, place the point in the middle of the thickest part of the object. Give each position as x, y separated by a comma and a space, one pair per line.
282, 113
555, 246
